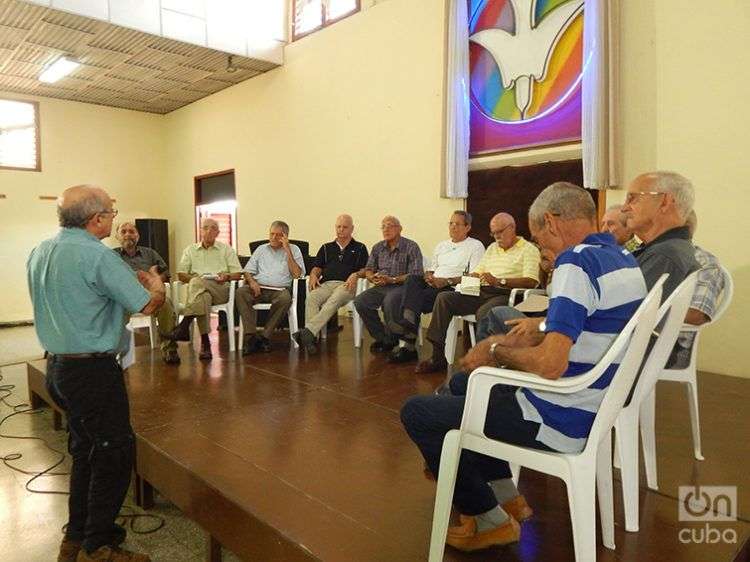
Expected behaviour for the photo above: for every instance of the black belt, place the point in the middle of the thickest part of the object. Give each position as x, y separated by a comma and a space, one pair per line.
98, 355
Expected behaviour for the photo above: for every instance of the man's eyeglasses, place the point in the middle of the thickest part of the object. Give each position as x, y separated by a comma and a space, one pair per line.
634, 196
387, 225
112, 212
497, 233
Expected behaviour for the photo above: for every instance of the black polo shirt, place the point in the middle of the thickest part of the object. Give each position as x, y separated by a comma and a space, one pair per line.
671, 252
337, 263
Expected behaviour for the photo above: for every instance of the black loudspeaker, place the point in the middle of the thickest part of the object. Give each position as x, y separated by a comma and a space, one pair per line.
154, 234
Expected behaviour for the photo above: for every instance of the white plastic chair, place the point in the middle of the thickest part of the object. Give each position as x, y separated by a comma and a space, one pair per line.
357, 324
451, 336
583, 473
227, 307
688, 375
642, 402
139, 320
291, 314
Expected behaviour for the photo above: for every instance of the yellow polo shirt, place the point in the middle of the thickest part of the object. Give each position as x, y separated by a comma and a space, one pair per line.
218, 258
520, 260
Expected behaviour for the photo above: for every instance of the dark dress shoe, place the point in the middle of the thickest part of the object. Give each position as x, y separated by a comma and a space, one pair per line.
403, 355
250, 345
431, 366
181, 332
205, 353
305, 338
171, 357
382, 346
264, 344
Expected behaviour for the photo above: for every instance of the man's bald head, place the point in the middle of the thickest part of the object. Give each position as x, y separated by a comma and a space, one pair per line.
209, 231
503, 230
344, 228
78, 204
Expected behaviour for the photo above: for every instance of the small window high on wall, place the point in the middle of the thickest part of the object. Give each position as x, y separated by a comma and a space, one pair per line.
311, 15
19, 135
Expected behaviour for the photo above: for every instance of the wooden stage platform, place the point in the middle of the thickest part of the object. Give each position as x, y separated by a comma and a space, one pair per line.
283, 458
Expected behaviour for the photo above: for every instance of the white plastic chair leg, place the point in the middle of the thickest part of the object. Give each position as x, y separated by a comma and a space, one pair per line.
357, 327
648, 437
472, 334
581, 489
153, 332
626, 434
451, 336
293, 328
444, 496
695, 422
605, 491
515, 473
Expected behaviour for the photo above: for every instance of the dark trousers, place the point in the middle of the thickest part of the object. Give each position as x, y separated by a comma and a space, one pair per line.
419, 298
452, 303
427, 419
100, 441
368, 303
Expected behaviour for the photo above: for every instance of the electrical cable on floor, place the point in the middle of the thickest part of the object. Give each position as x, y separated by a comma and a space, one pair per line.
127, 519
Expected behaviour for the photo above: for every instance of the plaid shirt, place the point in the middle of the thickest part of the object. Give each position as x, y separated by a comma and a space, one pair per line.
405, 258
709, 286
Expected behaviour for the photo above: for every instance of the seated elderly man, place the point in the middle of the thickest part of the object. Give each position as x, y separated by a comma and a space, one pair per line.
141, 258
333, 281
451, 259
616, 223
391, 261
709, 286
512, 262
585, 316
269, 275
206, 267
657, 205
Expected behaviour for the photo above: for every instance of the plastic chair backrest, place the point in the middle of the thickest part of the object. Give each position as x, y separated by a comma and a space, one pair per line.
639, 327
671, 315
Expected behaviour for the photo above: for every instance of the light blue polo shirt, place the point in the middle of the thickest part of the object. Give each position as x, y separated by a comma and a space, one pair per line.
269, 267
81, 291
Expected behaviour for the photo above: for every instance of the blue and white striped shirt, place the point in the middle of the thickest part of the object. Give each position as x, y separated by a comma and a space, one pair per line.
596, 289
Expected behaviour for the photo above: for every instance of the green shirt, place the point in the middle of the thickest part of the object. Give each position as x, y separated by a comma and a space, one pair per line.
215, 259
82, 294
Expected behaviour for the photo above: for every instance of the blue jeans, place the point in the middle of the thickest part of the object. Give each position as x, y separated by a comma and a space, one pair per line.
101, 442
427, 419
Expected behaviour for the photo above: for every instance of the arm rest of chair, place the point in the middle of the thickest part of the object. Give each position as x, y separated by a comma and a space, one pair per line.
362, 285
524, 294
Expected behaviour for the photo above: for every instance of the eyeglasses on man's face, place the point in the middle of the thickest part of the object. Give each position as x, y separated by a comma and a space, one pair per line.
636, 196
499, 232
111, 211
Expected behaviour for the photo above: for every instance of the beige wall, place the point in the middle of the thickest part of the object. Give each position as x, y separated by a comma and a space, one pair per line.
118, 149
352, 122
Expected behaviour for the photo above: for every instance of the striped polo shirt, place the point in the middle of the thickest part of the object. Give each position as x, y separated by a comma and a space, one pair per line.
596, 289
520, 260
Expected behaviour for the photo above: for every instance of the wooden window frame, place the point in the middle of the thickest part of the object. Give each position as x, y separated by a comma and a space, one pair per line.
37, 138
326, 22
196, 188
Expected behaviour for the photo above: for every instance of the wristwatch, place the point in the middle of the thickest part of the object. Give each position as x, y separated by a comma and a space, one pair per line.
503, 281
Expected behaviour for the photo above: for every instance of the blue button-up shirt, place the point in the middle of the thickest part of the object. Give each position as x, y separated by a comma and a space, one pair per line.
269, 267
82, 293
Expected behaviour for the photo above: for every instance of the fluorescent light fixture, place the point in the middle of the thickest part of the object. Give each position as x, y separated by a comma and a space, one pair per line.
58, 69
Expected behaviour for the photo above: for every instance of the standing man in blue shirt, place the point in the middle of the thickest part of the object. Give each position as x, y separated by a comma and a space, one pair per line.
82, 294
269, 275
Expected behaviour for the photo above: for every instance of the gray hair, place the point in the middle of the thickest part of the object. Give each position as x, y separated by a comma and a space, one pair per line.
618, 209
679, 186
563, 199
79, 212
126, 223
466, 215
282, 225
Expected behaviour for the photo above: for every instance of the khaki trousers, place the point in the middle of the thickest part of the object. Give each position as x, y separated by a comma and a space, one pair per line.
165, 318
280, 303
201, 295
323, 302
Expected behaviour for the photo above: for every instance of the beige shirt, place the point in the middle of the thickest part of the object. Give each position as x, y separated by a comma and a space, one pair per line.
520, 260
218, 258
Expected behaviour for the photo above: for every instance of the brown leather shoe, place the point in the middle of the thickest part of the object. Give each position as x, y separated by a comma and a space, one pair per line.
466, 537
111, 554
68, 550
431, 366
518, 509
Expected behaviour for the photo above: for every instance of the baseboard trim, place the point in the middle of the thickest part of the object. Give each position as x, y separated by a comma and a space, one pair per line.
16, 324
